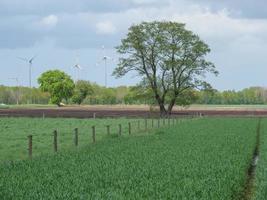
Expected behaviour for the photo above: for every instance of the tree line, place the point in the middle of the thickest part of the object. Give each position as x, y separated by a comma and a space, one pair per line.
94, 94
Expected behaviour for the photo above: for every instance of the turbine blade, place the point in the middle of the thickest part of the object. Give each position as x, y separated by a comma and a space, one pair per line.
24, 59
77, 66
33, 58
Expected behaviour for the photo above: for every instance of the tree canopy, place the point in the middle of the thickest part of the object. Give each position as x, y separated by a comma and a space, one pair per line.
58, 84
82, 89
169, 58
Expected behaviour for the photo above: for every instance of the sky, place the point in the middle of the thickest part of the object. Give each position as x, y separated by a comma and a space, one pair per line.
63, 32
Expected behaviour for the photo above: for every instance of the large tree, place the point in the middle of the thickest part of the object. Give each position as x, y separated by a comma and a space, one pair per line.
58, 84
169, 58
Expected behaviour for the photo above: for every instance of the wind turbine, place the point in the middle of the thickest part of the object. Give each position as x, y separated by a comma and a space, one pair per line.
77, 67
105, 59
30, 62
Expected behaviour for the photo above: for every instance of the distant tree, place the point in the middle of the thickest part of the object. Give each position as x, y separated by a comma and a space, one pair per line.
121, 92
82, 89
58, 84
168, 57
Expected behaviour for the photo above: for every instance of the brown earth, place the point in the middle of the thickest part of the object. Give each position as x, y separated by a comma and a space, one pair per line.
110, 111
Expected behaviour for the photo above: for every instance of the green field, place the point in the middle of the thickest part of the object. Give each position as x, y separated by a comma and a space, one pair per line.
195, 159
14, 133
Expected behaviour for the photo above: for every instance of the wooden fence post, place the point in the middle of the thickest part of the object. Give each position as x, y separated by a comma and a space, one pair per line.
93, 133
146, 124
55, 140
152, 123
163, 121
129, 125
76, 137
108, 129
138, 124
158, 122
169, 121
30, 146
119, 129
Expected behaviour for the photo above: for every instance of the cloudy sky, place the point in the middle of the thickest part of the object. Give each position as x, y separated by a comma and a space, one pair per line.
59, 31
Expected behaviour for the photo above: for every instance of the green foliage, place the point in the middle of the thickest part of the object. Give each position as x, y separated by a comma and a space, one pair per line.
169, 58
140, 94
58, 84
81, 91
198, 159
10, 95
252, 95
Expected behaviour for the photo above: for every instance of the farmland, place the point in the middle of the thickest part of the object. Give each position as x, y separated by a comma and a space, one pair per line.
196, 159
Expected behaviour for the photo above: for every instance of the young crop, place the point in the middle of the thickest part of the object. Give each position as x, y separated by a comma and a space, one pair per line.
198, 159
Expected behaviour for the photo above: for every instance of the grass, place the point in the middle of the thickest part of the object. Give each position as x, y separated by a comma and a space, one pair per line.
14, 132
197, 159
261, 171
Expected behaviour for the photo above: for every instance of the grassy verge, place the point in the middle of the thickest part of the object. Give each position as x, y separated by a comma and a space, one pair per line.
199, 159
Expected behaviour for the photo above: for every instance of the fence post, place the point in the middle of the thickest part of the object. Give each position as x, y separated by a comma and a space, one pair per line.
93, 133
146, 124
152, 123
76, 137
169, 121
163, 121
138, 124
119, 129
158, 122
55, 140
130, 131
30, 146
108, 129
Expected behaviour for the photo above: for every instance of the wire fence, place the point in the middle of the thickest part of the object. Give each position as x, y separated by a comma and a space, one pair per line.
75, 136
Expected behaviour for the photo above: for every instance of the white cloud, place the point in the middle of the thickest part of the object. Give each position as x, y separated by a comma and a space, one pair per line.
49, 21
105, 27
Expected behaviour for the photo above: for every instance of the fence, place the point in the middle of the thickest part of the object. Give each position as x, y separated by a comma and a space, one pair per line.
129, 128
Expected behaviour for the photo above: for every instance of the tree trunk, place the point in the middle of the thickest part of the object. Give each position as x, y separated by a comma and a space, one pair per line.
163, 111
170, 107
162, 108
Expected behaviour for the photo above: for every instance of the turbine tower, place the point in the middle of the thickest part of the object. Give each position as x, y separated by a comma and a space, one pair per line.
30, 62
105, 59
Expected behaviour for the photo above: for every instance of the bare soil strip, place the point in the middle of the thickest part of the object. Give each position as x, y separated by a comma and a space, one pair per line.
248, 189
107, 111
